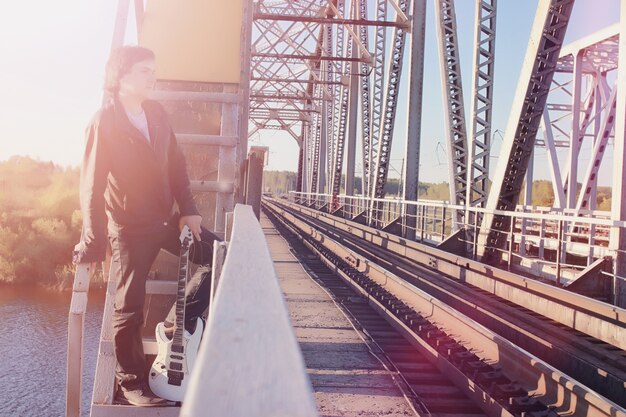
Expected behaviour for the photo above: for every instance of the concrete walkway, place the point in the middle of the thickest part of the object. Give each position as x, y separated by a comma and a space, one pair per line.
347, 379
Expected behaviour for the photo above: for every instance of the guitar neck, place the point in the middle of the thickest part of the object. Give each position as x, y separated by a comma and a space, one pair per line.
183, 270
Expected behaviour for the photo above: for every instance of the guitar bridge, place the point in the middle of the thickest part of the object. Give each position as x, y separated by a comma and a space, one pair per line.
175, 377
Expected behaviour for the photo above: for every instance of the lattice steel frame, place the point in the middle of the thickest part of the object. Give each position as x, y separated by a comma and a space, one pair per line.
592, 59
528, 107
482, 103
454, 110
300, 61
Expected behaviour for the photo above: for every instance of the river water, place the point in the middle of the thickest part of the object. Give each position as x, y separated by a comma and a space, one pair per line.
33, 343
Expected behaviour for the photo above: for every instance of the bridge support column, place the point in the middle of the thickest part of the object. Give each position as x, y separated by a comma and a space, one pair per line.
414, 117
617, 241
353, 105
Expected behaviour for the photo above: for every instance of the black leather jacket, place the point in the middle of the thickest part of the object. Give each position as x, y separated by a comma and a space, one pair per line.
133, 181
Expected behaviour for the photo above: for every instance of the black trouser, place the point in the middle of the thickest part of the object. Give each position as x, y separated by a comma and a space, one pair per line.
132, 258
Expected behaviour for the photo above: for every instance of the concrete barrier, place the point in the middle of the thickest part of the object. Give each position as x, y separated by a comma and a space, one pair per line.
249, 363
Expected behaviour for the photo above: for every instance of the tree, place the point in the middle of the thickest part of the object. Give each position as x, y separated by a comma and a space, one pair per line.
39, 224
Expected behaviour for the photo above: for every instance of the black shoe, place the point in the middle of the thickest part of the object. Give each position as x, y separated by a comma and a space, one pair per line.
141, 397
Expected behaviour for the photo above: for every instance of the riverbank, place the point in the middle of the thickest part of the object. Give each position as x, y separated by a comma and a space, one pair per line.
59, 284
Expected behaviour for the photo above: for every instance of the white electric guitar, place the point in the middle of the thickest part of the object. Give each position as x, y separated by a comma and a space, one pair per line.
169, 375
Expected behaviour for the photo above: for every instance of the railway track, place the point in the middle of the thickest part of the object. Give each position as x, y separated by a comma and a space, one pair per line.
571, 358
425, 385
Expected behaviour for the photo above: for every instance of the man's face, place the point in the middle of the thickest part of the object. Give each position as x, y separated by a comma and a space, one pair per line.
140, 81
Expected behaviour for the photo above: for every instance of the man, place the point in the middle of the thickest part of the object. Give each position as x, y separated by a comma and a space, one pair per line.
135, 175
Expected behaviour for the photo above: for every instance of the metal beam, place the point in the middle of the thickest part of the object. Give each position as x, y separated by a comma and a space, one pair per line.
353, 107
139, 13
530, 99
281, 97
617, 242
296, 80
366, 120
327, 21
453, 101
597, 153
482, 102
575, 142
387, 123
553, 161
414, 115
299, 57
377, 90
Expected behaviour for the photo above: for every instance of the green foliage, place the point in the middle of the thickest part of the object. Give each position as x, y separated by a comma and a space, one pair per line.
603, 197
281, 182
39, 222
439, 192
543, 194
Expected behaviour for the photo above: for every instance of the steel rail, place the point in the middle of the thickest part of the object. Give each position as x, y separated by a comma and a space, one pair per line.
399, 300
595, 318
597, 365
424, 380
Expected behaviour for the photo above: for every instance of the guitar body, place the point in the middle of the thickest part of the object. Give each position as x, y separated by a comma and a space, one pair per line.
169, 374
159, 380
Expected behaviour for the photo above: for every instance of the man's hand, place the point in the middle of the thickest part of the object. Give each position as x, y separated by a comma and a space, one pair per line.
193, 222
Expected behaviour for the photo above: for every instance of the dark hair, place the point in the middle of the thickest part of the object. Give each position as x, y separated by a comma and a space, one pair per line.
120, 63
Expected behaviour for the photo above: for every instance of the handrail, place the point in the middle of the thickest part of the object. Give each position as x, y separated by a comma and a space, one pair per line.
249, 361
75, 332
518, 214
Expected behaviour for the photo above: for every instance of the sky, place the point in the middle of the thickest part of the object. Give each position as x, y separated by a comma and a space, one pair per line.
52, 57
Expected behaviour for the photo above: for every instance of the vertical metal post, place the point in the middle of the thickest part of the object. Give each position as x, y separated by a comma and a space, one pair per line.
528, 193
139, 13
475, 245
353, 103
75, 336
443, 222
617, 242
119, 31
453, 103
423, 223
536, 75
414, 116
596, 130
479, 147
300, 178
574, 146
304, 146
558, 253
227, 159
511, 243
590, 242
542, 236
324, 137
388, 114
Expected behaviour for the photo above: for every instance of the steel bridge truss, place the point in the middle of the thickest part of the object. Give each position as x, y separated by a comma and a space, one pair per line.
580, 114
309, 56
306, 58
479, 146
526, 114
454, 112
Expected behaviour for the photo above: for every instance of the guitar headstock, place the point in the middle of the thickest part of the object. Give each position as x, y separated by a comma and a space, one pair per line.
186, 237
